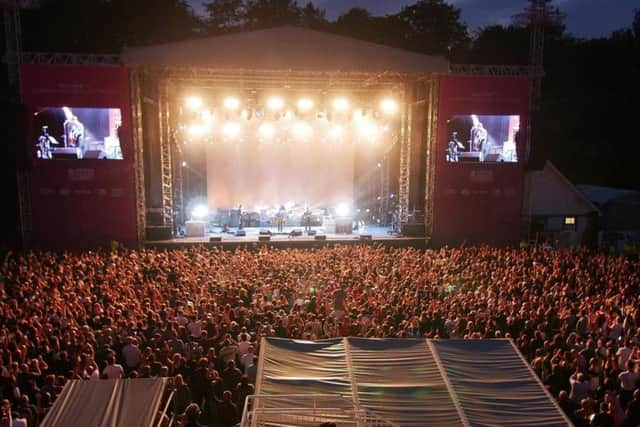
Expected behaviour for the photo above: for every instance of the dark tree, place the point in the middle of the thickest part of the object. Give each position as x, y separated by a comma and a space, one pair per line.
225, 15
636, 24
433, 27
313, 17
271, 13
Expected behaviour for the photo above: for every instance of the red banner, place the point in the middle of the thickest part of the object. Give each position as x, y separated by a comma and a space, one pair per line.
82, 176
478, 192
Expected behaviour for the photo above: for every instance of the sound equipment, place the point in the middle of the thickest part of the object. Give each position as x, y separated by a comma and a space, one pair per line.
158, 232
365, 237
320, 237
67, 155
94, 154
265, 232
344, 225
413, 230
215, 239
311, 233
264, 238
496, 157
295, 233
240, 233
470, 156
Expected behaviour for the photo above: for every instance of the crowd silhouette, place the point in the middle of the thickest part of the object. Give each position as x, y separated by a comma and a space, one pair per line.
197, 315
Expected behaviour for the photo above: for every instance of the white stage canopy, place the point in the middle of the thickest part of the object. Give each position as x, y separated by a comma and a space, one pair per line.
115, 403
401, 382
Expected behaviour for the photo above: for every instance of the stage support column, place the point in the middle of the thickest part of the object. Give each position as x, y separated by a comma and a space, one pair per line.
166, 164
405, 156
135, 81
432, 152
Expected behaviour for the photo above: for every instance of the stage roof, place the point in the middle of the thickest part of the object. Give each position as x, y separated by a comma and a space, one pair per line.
402, 382
116, 403
285, 48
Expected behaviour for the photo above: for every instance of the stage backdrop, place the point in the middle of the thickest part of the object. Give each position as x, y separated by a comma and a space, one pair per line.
262, 173
80, 203
481, 202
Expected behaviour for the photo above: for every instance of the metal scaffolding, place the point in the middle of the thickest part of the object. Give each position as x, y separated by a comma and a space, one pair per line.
166, 151
138, 152
431, 147
405, 158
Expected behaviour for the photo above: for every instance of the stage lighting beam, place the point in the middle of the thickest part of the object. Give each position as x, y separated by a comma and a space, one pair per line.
266, 130
389, 106
193, 102
341, 104
199, 212
275, 103
305, 104
342, 210
231, 103
231, 130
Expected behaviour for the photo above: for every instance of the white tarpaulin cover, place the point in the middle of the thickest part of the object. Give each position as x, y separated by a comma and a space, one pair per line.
113, 403
411, 382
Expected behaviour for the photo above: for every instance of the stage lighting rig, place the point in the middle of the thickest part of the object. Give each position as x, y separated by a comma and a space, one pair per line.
340, 105
275, 103
231, 130
304, 105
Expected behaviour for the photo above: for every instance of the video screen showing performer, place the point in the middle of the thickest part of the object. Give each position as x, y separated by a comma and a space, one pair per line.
78, 133
482, 139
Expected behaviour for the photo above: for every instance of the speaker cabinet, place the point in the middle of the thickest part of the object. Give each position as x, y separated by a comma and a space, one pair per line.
215, 239
240, 233
264, 238
365, 237
159, 232
320, 237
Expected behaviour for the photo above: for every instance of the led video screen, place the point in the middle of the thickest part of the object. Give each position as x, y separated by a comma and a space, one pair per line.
482, 139
77, 133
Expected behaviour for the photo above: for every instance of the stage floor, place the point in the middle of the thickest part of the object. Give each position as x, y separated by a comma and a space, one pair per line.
284, 239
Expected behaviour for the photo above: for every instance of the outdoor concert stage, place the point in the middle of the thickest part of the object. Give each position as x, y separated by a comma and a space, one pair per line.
285, 239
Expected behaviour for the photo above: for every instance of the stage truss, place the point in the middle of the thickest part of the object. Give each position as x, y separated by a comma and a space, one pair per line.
171, 82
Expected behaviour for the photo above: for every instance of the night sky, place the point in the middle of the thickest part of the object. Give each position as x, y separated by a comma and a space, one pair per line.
585, 18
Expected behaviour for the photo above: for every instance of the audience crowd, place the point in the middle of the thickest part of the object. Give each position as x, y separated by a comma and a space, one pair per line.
196, 316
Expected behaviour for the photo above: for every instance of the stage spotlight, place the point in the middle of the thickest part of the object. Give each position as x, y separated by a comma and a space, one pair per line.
340, 104
231, 103
369, 131
336, 132
274, 103
195, 130
302, 130
342, 210
231, 130
207, 116
184, 164
199, 212
359, 115
388, 106
266, 130
305, 104
193, 102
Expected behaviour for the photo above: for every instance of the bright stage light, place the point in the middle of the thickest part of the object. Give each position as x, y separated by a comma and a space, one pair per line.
266, 130
359, 115
305, 104
195, 130
231, 103
302, 130
336, 132
274, 103
388, 106
193, 102
342, 210
369, 131
231, 130
184, 164
207, 116
340, 104
199, 212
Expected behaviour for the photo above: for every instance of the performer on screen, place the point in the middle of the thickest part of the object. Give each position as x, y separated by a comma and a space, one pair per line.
44, 143
453, 147
478, 136
240, 218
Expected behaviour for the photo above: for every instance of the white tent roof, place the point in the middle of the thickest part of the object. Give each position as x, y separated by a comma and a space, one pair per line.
404, 382
285, 48
551, 193
116, 403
